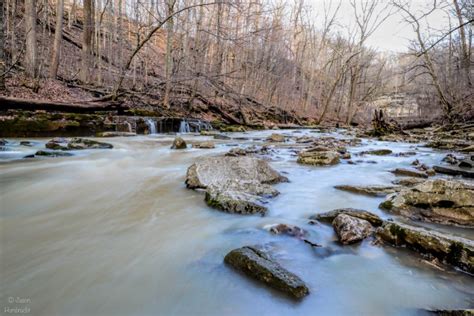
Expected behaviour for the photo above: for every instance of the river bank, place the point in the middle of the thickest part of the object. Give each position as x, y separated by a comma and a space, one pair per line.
115, 231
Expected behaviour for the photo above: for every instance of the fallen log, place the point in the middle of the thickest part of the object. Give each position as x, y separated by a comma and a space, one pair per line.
8, 103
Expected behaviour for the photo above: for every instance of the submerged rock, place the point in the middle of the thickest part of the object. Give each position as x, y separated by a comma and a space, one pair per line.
222, 137
378, 152
277, 138
456, 251
409, 173
351, 229
52, 153
204, 145
318, 158
439, 201
258, 265
26, 143
329, 217
116, 134
286, 229
452, 312
179, 143
373, 190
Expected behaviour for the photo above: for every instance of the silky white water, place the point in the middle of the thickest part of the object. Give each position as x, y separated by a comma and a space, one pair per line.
115, 232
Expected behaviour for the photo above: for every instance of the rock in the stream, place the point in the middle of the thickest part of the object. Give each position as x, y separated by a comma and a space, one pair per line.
57, 143
239, 197
452, 312
179, 143
221, 137
439, 201
318, 158
204, 145
408, 182
26, 143
409, 173
54, 153
219, 170
83, 143
259, 265
329, 217
468, 149
277, 138
373, 190
453, 250
116, 134
3, 142
377, 152
234, 184
76, 144
455, 171
286, 229
351, 229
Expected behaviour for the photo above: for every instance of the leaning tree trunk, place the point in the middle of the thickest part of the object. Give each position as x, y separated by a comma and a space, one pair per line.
53, 71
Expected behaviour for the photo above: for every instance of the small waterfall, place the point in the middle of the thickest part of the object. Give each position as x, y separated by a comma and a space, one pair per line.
184, 127
151, 126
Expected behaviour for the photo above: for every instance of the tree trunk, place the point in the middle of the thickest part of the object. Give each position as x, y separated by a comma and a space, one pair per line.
2, 47
53, 72
31, 50
87, 42
169, 51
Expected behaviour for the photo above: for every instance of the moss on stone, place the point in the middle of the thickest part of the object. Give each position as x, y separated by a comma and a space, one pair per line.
386, 205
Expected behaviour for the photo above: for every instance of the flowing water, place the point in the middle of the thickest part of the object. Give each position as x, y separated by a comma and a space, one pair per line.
115, 232
151, 126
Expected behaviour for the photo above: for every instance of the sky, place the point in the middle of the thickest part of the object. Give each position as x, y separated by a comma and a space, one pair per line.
394, 34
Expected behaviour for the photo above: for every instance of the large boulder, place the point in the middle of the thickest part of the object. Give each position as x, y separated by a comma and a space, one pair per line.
373, 190
179, 143
219, 170
452, 250
318, 158
259, 265
329, 217
351, 229
440, 201
234, 184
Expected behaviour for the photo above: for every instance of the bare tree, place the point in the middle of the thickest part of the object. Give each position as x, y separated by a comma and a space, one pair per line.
56, 55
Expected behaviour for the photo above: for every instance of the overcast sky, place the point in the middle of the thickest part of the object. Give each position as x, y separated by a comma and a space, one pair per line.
394, 34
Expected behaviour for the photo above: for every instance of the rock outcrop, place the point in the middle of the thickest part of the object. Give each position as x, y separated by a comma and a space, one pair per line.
259, 265
456, 251
439, 201
351, 229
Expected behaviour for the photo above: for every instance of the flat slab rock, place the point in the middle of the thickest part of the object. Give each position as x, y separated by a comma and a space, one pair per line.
259, 265
76, 144
409, 173
329, 217
372, 190
452, 250
449, 202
